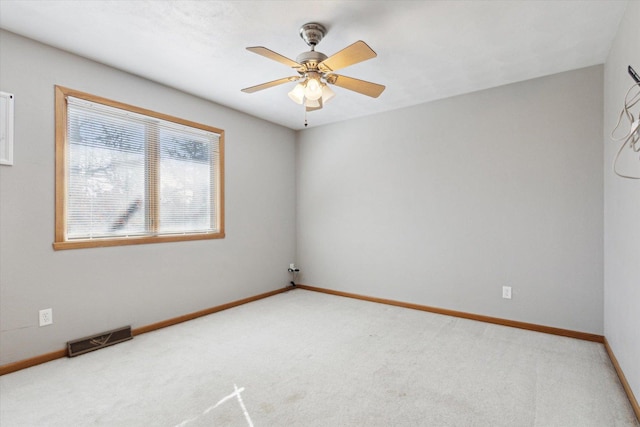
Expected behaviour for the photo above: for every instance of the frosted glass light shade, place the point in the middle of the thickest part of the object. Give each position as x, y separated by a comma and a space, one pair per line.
327, 93
313, 103
313, 90
297, 94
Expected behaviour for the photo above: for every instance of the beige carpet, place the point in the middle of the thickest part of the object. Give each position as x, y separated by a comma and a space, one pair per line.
307, 359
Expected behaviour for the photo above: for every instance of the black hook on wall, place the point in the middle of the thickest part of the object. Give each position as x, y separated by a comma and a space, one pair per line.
633, 74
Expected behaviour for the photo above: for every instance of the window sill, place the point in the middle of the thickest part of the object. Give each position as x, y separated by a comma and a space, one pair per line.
142, 240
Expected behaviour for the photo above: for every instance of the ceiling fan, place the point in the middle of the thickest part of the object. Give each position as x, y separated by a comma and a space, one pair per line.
315, 70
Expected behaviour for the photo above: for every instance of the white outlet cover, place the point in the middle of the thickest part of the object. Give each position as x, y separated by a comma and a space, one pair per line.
46, 317
506, 292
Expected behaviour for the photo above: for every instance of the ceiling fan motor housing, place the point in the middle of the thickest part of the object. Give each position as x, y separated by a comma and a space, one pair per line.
311, 59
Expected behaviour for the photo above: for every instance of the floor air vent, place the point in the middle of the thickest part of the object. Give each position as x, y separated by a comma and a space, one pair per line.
96, 342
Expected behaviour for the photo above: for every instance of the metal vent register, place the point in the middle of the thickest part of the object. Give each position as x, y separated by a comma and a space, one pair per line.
96, 342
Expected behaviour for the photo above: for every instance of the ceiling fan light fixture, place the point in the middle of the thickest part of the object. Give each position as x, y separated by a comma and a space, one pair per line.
327, 93
297, 94
313, 103
313, 89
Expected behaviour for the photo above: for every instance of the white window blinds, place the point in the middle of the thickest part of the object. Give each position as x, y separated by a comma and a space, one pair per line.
129, 174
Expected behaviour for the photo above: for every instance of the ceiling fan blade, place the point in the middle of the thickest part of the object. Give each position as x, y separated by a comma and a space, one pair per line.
352, 54
270, 84
366, 88
268, 53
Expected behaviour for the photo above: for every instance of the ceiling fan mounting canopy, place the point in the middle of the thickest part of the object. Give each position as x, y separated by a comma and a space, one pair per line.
317, 70
312, 33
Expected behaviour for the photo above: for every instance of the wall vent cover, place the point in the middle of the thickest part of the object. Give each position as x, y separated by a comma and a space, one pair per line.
96, 342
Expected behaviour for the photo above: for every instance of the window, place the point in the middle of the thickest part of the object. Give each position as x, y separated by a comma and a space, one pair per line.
126, 175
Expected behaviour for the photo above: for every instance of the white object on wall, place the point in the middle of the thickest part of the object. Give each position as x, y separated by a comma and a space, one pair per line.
6, 128
632, 138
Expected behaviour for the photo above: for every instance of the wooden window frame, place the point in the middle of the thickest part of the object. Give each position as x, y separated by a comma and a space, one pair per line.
61, 144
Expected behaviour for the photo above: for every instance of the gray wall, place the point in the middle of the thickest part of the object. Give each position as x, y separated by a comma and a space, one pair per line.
443, 203
92, 290
622, 210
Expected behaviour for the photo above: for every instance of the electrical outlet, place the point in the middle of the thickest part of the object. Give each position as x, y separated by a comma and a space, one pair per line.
506, 292
292, 266
46, 317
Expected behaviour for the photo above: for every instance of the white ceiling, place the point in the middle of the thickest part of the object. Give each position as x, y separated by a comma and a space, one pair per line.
427, 50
